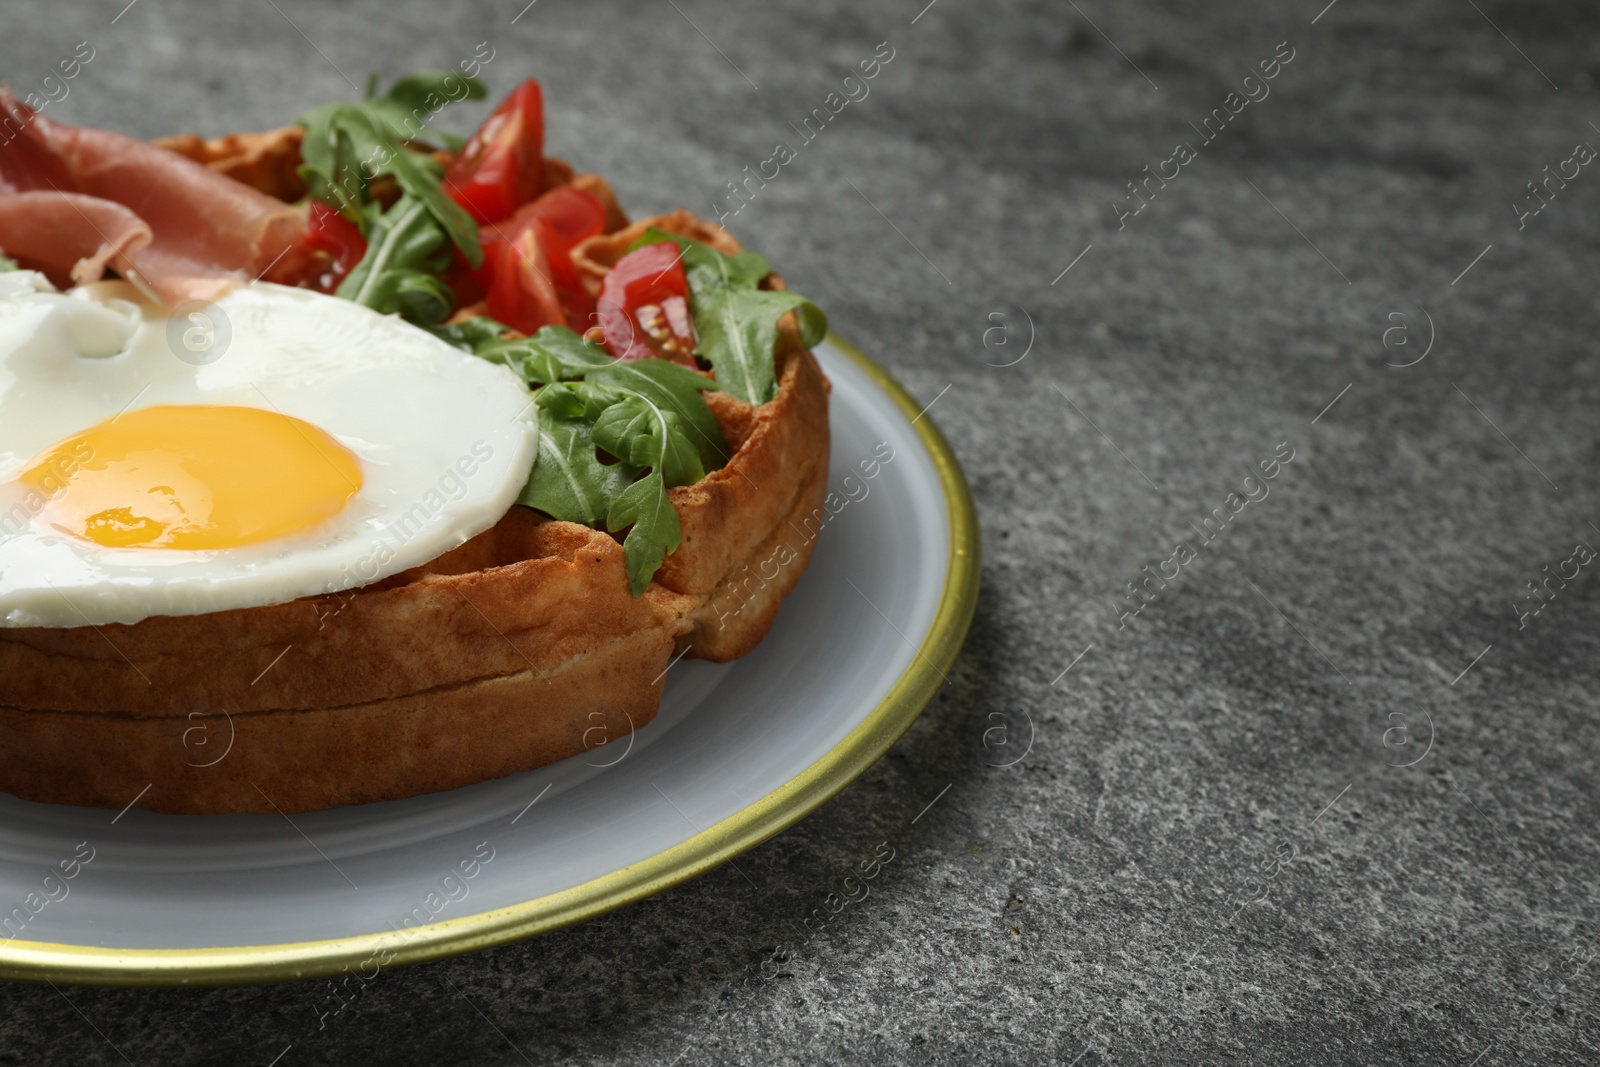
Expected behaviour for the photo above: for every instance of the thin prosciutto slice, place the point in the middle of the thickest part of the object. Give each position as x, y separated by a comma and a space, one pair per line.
76, 201
84, 234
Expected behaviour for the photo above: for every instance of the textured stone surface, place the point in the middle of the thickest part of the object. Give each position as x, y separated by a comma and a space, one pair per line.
1228, 745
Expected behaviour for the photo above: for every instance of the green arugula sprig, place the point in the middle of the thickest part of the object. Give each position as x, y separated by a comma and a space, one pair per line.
348, 144
646, 415
406, 250
424, 93
735, 321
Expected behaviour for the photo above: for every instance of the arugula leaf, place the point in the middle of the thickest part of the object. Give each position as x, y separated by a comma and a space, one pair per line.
398, 273
643, 429
568, 481
737, 331
676, 389
630, 426
735, 322
347, 145
413, 100
563, 401
7, 263
648, 413
469, 334
635, 429
554, 354
649, 437
655, 528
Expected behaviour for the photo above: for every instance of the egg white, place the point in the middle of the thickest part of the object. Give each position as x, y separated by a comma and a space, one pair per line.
444, 440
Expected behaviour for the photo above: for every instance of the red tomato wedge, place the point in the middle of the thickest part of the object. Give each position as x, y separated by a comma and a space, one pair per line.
644, 306
338, 238
521, 294
575, 300
533, 282
557, 220
469, 286
501, 167
573, 213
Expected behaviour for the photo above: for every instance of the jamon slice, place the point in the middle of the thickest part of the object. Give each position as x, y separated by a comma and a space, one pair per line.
70, 232
183, 230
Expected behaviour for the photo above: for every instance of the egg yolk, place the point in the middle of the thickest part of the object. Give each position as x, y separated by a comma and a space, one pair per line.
193, 477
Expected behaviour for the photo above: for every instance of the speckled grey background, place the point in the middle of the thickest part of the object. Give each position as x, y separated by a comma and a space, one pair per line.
1211, 852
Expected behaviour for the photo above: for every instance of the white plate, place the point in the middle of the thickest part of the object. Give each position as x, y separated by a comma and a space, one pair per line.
737, 752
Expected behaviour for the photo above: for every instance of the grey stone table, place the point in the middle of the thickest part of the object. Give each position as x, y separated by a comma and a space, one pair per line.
1320, 786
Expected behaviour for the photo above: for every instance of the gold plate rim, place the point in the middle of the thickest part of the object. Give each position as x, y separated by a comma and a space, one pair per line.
865, 744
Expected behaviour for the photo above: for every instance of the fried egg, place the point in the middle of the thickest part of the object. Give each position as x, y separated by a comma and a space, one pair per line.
275, 444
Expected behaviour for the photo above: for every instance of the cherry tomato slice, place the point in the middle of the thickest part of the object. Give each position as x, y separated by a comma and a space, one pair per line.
576, 302
501, 166
644, 306
571, 212
339, 240
468, 286
572, 215
557, 220
534, 283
